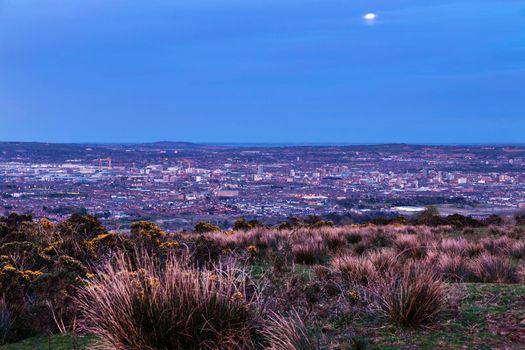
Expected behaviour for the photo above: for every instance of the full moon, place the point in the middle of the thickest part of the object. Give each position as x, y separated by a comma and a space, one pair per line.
370, 16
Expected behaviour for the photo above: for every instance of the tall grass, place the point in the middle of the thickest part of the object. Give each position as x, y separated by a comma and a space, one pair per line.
410, 246
355, 270
384, 260
454, 268
169, 305
287, 333
310, 252
6, 320
410, 298
494, 269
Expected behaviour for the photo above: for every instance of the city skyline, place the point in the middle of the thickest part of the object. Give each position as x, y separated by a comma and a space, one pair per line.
178, 184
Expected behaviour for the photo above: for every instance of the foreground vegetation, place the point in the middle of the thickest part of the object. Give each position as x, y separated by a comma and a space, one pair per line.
56, 342
297, 286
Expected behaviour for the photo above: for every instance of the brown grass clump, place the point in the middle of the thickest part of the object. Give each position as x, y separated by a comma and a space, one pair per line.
454, 246
520, 271
459, 247
411, 298
494, 269
410, 246
495, 230
454, 268
287, 333
380, 239
383, 260
353, 237
354, 270
374, 238
154, 305
516, 232
497, 246
308, 253
468, 231
334, 241
517, 250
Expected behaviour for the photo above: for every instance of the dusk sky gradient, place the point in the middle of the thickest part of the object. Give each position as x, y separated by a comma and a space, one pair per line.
424, 71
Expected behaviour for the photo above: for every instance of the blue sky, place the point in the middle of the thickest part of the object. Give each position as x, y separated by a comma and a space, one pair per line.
424, 71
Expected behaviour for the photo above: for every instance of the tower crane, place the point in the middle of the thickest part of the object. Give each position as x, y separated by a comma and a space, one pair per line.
101, 163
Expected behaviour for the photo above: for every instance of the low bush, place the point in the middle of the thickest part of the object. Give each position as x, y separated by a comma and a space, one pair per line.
202, 227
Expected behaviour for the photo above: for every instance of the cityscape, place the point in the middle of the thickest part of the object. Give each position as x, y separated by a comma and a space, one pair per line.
179, 184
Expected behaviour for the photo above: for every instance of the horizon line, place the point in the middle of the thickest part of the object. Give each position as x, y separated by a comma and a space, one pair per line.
274, 144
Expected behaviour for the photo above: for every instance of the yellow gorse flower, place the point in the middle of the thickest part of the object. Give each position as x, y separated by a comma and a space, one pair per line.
352, 295
237, 296
213, 277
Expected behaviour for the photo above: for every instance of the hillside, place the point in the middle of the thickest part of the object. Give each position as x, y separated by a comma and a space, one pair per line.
302, 287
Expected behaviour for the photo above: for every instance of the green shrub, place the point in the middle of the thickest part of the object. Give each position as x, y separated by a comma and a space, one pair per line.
203, 227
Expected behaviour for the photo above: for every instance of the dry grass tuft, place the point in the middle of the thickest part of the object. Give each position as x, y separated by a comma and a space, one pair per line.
410, 246
168, 305
494, 269
517, 250
287, 333
354, 270
411, 298
454, 268
308, 253
384, 260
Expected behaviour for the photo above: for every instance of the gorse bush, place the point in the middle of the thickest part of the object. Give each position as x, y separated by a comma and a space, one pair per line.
168, 305
202, 227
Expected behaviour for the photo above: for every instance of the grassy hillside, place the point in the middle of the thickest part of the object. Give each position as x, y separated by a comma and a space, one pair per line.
303, 287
